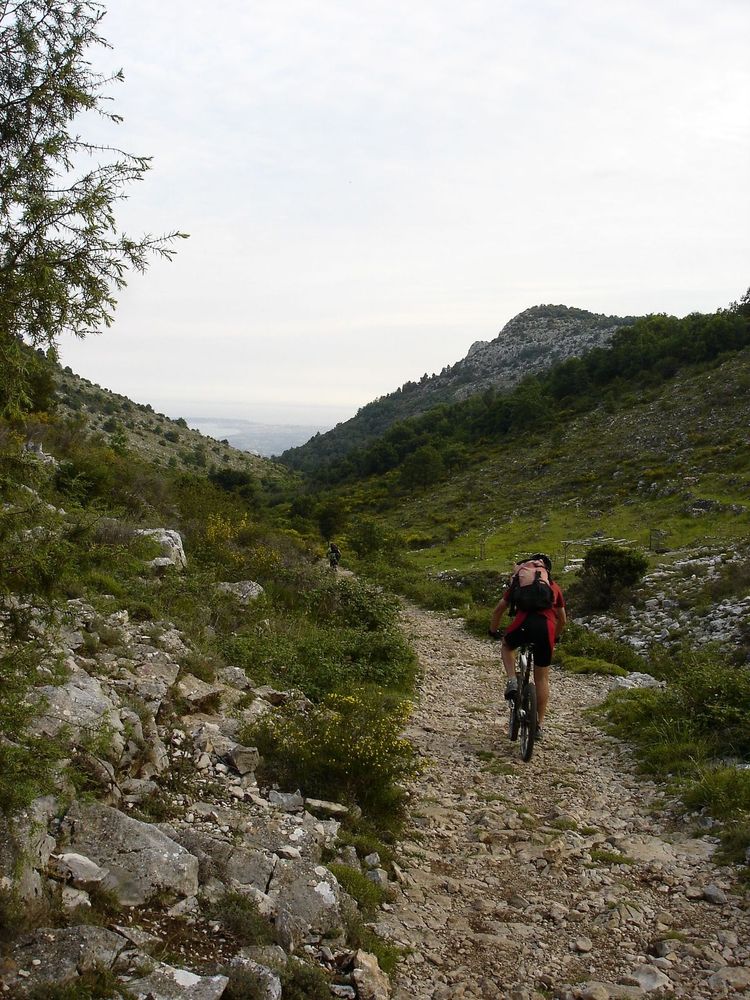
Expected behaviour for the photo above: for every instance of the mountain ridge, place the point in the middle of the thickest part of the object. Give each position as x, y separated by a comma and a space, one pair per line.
529, 343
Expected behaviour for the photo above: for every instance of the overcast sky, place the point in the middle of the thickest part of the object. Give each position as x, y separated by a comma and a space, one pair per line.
372, 186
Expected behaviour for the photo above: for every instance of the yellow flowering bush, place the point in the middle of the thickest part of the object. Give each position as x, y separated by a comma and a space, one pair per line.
348, 748
222, 528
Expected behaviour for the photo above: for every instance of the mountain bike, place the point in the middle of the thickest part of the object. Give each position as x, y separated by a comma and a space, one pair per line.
523, 721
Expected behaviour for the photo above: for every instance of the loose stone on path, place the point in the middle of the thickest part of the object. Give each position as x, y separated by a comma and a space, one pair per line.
564, 875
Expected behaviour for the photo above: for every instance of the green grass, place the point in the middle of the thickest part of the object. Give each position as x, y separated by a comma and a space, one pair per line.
588, 665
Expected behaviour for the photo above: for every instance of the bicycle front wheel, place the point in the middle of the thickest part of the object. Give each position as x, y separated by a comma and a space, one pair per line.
528, 722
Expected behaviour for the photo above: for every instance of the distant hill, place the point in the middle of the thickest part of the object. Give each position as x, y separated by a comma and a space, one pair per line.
531, 342
154, 436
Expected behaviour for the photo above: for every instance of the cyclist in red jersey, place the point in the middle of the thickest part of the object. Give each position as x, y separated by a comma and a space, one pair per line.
543, 628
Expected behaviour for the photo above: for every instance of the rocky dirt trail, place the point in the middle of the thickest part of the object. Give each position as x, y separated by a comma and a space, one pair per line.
569, 876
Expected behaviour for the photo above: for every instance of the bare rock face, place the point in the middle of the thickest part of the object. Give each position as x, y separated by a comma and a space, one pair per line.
80, 705
25, 848
244, 591
141, 860
372, 982
168, 983
60, 954
311, 896
232, 865
170, 543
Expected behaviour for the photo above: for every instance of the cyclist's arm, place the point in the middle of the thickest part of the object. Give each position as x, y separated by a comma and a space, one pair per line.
497, 615
560, 623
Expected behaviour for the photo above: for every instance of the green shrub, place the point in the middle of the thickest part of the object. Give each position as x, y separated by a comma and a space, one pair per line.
27, 763
300, 981
369, 896
700, 718
348, 748
577, 640
239, 916
588, 665
608, 573
722, 791
320, 659
358, 935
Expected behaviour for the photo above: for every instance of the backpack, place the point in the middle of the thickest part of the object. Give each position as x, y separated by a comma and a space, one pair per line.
531, 587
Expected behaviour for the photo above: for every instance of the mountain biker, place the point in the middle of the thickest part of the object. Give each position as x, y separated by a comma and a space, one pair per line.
542, 628
334, 555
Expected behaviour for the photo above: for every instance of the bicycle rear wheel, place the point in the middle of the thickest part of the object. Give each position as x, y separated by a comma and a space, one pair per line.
528, 722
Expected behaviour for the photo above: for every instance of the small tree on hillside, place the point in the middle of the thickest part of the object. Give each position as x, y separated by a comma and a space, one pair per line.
608, 572
422, 468
62, 258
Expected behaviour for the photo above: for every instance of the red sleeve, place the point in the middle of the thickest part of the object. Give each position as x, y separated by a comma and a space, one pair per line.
559, 599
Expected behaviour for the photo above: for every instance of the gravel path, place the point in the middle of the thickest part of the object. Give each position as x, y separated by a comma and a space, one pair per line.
569, 876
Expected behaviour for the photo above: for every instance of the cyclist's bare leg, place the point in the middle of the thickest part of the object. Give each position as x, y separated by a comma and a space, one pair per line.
541, 682
509, 659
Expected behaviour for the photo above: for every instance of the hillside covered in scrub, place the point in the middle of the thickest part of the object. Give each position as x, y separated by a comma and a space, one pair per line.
529, 343
196, 717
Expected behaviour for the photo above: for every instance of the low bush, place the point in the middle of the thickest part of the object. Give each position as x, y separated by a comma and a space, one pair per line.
96, 984
359, 935
701, 719
239, 916
300, 981
588, 665
348, 749
368, 895
722, 791
320, 659
577, 640
609, 572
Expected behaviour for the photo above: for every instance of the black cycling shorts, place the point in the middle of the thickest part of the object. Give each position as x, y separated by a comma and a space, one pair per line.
533, 629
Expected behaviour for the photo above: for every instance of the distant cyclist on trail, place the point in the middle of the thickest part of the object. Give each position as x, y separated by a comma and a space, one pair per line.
538, 607
333, 554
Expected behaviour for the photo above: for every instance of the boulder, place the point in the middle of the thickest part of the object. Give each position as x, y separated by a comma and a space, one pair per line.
730, 978
196, 692
79, 706
168, 983
170, 544
81, 872
140, 858
311, 896
372, 983
247, 977
59, 955
244, 590
222, 860
26, 846
149, 677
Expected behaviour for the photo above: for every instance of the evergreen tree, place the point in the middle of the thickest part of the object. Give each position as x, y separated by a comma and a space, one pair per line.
62, 257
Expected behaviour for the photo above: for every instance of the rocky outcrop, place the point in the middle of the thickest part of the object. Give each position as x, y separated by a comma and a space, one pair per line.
133, 718
141, 861
663, 611
170, 544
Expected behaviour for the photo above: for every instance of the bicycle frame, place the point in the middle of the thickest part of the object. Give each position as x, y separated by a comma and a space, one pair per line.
523, 710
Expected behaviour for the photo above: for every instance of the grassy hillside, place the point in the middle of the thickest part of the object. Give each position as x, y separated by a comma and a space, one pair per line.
673, 459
